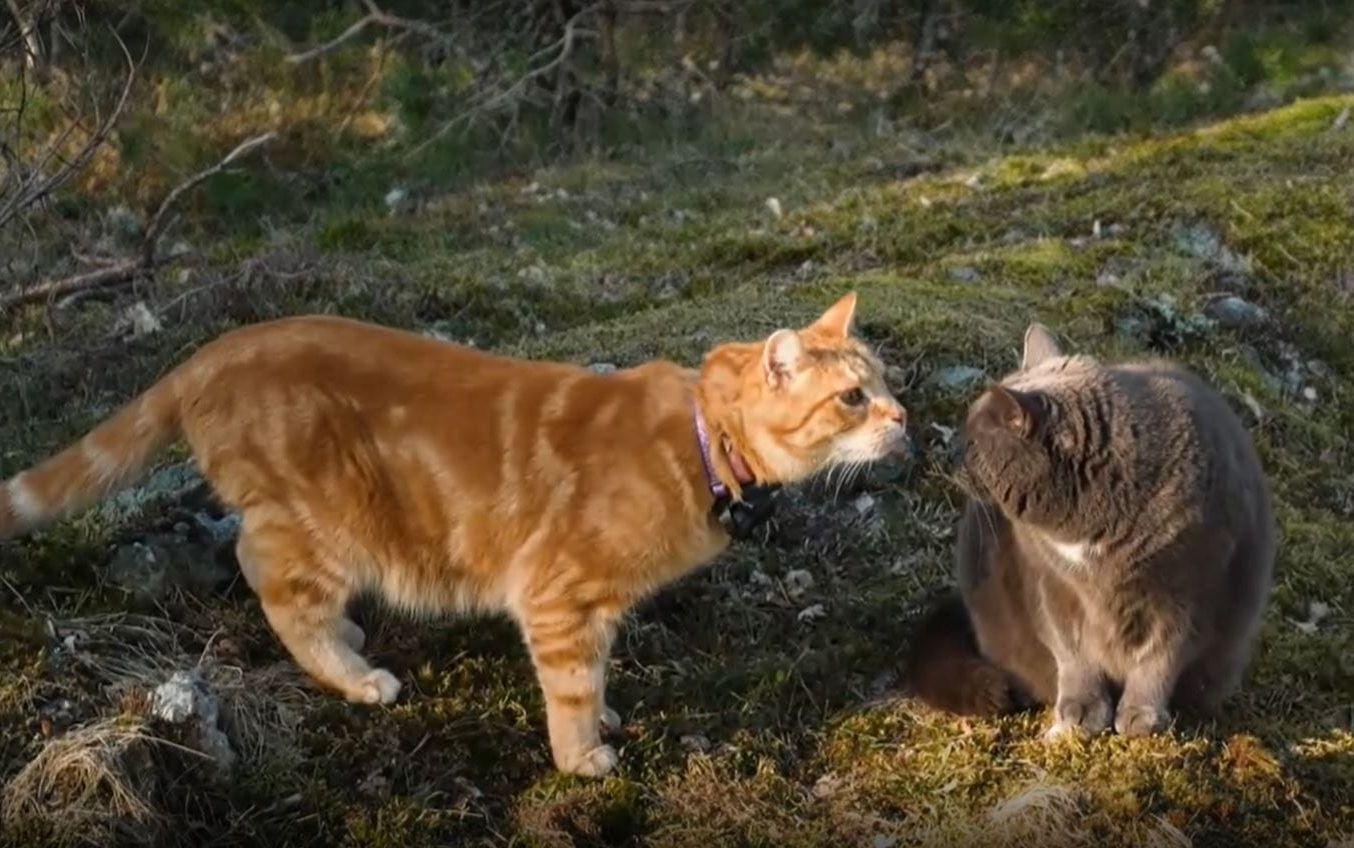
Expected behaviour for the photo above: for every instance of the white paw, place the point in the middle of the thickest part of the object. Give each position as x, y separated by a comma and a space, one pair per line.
610, 720
378, 686
596, 763
352, 635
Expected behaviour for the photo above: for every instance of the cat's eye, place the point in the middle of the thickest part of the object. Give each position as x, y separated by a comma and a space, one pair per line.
853, 397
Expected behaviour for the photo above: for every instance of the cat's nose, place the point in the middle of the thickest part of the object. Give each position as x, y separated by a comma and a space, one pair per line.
896, 413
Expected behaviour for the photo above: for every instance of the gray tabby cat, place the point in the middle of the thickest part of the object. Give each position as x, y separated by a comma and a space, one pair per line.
1121, 555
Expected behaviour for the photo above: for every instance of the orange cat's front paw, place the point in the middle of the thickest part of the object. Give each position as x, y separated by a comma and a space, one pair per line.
595, 763
378, 686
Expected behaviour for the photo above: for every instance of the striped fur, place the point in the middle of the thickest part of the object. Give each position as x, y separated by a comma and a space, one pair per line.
365, 459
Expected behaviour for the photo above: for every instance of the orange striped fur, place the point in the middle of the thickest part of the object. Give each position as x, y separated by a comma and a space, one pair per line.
365, 459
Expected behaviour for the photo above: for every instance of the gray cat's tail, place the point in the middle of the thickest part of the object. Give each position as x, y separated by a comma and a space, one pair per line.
946, 670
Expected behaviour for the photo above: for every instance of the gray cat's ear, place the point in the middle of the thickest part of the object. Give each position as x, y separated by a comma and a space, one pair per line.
1006, 409
1039, 346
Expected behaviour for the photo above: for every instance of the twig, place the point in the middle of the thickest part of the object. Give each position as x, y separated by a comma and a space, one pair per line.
146, 260
562, 48
34, 188
158, 220
98, 278
376, 16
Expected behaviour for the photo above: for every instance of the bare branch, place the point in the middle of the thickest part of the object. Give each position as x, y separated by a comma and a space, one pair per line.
376, 16
159, 219
146, 260
329, 46
562, 50
33, 188
111, 275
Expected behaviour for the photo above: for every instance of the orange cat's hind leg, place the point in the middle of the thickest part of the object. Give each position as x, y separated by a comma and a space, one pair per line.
304, 601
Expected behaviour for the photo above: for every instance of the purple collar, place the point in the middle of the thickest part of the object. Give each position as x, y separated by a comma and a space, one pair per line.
717, 487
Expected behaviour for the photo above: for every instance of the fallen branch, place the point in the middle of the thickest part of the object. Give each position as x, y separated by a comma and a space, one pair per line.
146, 260
376, 16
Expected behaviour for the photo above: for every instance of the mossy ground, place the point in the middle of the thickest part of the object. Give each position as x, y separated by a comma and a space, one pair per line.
747, 723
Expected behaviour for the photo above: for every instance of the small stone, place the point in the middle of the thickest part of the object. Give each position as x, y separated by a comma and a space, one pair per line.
797, 582
810, 614
695, 742
1235, 313
773, 206
139, 321
864, 504
395, 198
1309, 394
602, 367
965, 274
957, 377
186, 699
534, 275
826, 786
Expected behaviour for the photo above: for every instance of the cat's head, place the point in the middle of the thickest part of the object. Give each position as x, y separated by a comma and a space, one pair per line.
803, 400
1028, 438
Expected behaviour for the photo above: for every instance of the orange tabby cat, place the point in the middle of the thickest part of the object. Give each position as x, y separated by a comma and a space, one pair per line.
441, 478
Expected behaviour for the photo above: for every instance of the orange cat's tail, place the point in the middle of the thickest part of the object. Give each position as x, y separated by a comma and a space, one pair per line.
946, 670
110, 455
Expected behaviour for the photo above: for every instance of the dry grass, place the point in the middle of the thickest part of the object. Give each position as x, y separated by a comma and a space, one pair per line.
94, 785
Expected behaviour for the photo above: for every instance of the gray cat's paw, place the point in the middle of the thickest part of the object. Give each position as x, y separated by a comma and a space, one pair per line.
1080, 717
1140, 720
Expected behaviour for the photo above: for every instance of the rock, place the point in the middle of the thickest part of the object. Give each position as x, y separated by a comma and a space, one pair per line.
826, 786
695, 742
1235, 313
165, 486
602, 367
773, 206
1203, 242
810, 614
185, 699
797, 582
137, 321
149, 568
396, 200
864, 504
965, 274
956, 378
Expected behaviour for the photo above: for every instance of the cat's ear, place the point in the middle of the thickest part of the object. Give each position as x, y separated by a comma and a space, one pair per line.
1039, 346
781, 357
837, 321
1010, 410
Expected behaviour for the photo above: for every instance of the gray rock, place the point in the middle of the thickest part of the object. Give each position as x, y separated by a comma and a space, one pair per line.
185, 699
165, 486
148, 569
1203, 242
1235, 313
602, 367
965, 274
954, 378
